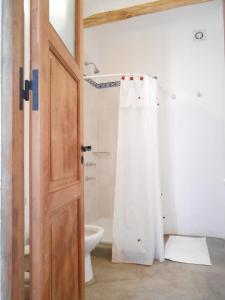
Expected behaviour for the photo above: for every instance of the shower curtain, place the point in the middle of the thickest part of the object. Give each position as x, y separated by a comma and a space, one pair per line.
137, 224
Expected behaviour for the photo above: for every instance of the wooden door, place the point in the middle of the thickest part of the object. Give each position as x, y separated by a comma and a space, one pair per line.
12, 138
57, 243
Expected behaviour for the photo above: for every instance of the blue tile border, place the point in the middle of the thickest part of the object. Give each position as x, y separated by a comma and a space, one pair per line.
103, 85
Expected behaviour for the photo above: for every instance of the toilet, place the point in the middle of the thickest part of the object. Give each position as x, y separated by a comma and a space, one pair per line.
93, 235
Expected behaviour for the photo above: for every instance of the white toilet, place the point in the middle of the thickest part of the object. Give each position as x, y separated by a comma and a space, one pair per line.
93, 235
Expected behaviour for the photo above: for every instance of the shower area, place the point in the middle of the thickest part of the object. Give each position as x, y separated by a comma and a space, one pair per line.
100, 131
121, 177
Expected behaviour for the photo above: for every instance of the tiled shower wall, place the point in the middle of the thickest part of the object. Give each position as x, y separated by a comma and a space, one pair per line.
107, 142
90, 138
100, 131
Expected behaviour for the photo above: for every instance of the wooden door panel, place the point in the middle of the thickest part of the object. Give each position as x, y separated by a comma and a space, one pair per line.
63, 125
57, 229
64, 244
63, 197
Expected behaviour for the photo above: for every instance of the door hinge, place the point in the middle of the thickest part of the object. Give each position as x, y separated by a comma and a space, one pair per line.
27, 86
27, 89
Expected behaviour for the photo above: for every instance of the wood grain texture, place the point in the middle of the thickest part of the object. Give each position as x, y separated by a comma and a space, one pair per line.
64, 247
63, 122
57, 240
12, 193
137, 10
18, 156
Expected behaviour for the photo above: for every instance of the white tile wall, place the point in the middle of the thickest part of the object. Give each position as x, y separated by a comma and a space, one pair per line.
107, 141
90, 138
101, 121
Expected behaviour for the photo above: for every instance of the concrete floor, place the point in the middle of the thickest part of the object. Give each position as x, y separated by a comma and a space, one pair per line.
162, 281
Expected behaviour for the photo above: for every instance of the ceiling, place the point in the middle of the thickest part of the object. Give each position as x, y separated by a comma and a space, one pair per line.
96, 6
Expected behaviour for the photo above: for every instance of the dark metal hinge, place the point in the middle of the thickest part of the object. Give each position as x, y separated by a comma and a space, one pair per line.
27, 86
27, 89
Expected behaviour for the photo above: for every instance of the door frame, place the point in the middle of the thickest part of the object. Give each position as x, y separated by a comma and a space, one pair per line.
11, 144
12, 198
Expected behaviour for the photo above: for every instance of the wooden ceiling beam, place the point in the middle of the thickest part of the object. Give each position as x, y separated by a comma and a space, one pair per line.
137, 10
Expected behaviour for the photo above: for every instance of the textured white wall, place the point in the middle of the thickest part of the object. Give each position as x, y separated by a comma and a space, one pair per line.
192, 128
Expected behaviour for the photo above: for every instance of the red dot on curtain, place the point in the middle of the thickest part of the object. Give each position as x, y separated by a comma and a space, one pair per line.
141, 78
123, 77
131, 78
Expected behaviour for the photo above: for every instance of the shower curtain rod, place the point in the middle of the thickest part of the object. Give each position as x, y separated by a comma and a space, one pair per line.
114, 75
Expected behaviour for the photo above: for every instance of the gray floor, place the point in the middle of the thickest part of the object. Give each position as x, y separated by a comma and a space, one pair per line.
168, 280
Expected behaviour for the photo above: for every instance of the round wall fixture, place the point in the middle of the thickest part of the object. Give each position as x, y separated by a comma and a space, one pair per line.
199, 35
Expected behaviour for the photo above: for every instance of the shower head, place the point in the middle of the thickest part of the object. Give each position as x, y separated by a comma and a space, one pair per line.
96, 70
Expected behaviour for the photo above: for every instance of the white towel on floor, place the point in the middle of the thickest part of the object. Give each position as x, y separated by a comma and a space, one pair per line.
192, 250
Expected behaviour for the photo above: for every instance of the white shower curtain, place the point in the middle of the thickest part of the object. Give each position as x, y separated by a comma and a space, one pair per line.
137, 224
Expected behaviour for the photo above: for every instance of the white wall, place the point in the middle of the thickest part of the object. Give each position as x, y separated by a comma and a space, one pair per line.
100, 131
192, 128
108, 100
93, 7
92, 211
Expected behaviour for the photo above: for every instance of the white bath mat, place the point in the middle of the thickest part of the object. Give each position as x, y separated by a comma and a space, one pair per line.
190, 250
